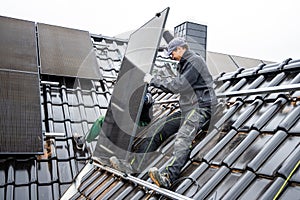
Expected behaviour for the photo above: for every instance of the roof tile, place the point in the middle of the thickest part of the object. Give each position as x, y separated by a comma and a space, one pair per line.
219, 146
274, 161
209, 186
292, 192
246, 142
273, 123
290, 162
245, 112
267, 150
266, 112
256, 189
249, 154
241, 185
290, 119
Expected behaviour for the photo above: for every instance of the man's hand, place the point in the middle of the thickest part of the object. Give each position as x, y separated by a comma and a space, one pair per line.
148, 78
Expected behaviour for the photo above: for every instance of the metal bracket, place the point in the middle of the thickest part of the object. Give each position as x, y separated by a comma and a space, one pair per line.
148, 185
265, 90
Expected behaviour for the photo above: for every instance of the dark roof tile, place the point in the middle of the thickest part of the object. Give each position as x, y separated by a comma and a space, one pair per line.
270, 80
241, 83
65, 172
57, 113
45, 192
209, 146
276, 119
75, 114
296, 78
295, 128
290, 163
98, 186
296, 176
290, 119
222, 86
193, 170
294, 64
209, 186
228, 148
251, 83
230, 75
22, 192
296, 95
123, 192
266, 112
267, 150
92, 114
203, 143
62, 149
273, 189
274, 67
245, 112
45, 174
251, 71
242, 184
25, 172
243, 145
214, 150
72, 98
204, 177
274, 161
292, 192
228, 113
112, 189
290, 78
269, 68
256, 189
225, 185
249, 154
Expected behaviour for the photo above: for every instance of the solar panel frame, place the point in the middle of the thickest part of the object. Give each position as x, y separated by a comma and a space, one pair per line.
121, 121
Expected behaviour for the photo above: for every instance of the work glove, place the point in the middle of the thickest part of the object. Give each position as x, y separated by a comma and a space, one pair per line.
148, 78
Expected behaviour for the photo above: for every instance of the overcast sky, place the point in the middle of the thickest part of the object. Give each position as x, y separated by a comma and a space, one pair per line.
262, 29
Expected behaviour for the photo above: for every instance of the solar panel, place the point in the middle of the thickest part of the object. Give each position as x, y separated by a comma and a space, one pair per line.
20, 119
18, 48
120, 124
67, 52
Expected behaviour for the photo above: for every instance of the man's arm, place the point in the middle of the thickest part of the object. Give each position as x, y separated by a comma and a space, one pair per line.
181, 83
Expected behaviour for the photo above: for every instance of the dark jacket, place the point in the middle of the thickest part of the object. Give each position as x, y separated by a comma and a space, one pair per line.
194, 83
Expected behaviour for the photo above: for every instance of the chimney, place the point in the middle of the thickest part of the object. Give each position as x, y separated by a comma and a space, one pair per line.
195, 35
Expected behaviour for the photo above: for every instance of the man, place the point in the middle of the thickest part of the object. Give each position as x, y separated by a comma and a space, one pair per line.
194, 83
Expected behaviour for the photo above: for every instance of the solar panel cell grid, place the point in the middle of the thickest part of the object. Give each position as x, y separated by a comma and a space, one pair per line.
20, 109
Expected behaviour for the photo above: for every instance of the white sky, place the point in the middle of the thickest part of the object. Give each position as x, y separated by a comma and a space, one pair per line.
262, 29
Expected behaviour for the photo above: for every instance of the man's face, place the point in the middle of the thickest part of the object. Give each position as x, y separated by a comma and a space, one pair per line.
177, 53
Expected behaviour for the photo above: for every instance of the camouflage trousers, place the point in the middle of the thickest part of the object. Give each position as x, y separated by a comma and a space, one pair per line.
185, 126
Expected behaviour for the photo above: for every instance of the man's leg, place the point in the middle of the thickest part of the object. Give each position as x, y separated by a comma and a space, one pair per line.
194, 121
161, 131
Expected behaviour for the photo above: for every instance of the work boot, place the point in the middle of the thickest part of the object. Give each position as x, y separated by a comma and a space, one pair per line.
120, 166
160, 179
